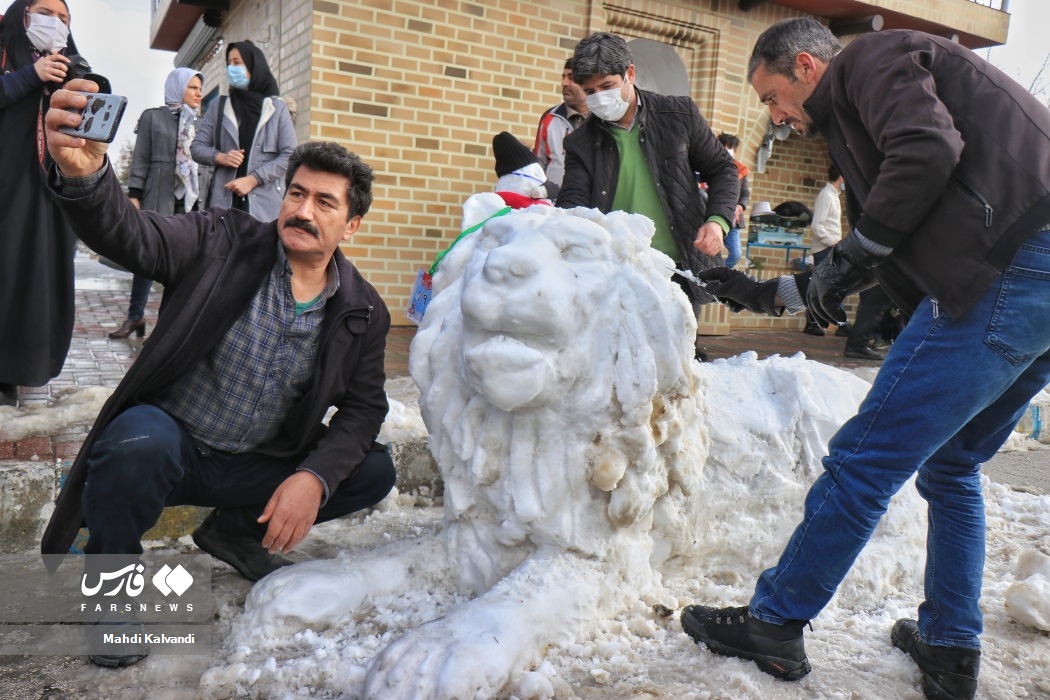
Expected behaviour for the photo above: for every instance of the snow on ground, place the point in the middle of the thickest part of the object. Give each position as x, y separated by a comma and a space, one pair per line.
75, 406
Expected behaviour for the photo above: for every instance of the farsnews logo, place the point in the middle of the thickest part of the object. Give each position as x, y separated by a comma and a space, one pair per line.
131, 581
169, 580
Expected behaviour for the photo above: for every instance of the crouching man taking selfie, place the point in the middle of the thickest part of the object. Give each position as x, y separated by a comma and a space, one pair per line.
263, 327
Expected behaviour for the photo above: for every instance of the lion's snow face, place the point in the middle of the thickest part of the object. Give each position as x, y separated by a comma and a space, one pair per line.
524, 340
557, 381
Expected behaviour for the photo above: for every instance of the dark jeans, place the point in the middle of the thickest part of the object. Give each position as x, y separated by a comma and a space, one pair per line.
817, 259
140, 288
145, 460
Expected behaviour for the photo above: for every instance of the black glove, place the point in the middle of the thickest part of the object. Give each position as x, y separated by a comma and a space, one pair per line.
739, 292
846, 271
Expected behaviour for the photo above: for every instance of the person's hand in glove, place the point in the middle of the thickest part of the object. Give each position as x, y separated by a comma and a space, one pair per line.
846, 271
740, 292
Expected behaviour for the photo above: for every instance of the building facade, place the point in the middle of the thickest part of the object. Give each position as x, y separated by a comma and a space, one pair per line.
418, 88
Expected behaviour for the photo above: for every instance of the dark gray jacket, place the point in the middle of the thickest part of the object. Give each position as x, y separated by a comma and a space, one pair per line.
946, 160
678, 144
153, 162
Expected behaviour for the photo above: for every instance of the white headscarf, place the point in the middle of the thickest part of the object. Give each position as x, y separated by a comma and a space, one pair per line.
185, 166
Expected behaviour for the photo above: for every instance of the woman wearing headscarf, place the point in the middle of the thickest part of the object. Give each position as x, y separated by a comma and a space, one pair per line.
163, 174
255, 140
36, 245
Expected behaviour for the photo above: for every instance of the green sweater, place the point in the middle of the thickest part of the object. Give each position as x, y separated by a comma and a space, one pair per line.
636, 188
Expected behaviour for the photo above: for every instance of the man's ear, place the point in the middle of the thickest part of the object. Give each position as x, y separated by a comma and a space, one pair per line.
808, 67
351, 227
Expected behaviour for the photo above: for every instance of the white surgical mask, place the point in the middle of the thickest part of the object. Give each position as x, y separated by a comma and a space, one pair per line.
609, 105
48, 34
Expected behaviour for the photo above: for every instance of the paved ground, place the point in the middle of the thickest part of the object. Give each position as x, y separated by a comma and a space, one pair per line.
96, 360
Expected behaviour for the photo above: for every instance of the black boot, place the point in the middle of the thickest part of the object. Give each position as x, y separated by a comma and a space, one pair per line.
814, 329
863, 353
230, 535
948, 673
778, 650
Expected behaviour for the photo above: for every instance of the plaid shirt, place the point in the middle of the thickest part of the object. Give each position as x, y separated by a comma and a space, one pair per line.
235, 398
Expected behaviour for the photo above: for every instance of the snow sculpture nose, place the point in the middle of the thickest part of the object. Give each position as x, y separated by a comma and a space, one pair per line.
511, 264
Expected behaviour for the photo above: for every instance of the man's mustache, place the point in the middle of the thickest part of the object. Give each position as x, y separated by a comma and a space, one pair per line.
296, 222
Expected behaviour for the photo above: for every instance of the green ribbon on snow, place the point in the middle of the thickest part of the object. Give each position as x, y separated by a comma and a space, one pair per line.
472, 229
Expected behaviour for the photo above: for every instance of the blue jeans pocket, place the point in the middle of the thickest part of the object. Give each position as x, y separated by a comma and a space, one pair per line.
1020, 324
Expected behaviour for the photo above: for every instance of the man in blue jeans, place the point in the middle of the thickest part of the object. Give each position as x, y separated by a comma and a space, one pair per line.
947, 166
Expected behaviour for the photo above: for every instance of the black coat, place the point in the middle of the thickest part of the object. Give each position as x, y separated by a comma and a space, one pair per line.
946, 160
211, 264
678, 144
36, 243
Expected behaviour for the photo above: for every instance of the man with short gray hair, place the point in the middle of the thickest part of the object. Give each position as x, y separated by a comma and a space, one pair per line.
947, 169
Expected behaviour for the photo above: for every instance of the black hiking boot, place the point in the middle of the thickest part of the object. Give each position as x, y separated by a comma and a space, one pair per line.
948, 673
777, 649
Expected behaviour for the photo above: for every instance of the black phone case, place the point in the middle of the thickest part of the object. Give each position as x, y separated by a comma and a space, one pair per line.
101, 117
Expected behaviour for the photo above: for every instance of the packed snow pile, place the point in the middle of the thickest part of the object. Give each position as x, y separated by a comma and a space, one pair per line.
588, 462
77, 406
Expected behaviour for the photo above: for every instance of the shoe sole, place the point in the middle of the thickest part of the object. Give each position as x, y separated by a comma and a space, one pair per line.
117, 661
784, 669
930, 687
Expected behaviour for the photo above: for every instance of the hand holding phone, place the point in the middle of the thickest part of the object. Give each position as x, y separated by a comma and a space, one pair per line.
74, 155
99, 119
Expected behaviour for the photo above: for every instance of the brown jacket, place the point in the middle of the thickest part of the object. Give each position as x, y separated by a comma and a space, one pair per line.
211, 264
946, 160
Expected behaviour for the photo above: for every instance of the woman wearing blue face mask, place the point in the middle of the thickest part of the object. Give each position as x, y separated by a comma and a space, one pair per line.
256, 137
36, 245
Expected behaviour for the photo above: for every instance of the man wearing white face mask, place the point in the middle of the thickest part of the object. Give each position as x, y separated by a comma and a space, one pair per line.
641, 153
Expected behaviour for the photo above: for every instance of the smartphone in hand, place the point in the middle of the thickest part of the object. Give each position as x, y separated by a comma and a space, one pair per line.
101, 117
